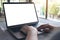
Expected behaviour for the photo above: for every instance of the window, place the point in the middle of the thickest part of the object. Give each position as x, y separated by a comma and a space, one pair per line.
1, 7
1, 1
40, 7
54, 10
49, 9
17, 0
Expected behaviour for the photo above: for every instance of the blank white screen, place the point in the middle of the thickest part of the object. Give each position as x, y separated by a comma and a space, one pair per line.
19, 14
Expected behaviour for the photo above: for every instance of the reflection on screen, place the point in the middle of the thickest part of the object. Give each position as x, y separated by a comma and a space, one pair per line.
19, 14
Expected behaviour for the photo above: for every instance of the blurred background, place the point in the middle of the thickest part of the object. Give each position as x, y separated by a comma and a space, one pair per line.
49, 9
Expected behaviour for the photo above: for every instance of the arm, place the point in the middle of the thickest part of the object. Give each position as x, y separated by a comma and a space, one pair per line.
31, 33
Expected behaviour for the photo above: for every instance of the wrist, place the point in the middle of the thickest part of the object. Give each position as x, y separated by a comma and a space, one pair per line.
33, 32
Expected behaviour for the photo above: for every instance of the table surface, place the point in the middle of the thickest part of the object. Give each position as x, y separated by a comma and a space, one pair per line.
44, 36
5, 35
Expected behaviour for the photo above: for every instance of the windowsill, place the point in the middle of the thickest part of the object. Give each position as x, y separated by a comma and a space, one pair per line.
56, 20
41, 16
48, 21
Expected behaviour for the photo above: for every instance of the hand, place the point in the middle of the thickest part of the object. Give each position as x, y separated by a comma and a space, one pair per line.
29, 29
45, 28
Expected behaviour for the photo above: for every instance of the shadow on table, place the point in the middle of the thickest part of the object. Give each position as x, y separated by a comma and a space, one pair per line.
56, 36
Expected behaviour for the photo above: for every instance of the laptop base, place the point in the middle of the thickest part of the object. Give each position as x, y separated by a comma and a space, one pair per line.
16, 33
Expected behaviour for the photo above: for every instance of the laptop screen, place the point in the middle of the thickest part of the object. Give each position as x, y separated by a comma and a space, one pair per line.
17, 14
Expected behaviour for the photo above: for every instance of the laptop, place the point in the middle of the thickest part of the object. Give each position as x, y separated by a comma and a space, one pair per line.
19, 14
